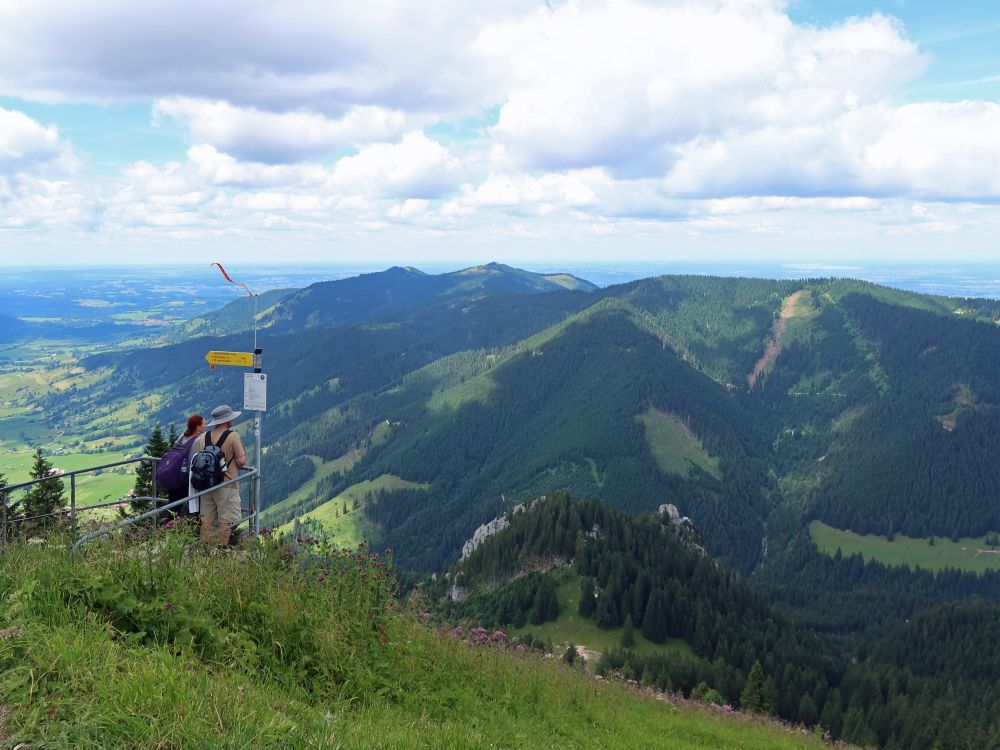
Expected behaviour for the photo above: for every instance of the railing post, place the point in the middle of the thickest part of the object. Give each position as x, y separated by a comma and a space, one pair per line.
72, 505
156, 521
3, 518
256, 479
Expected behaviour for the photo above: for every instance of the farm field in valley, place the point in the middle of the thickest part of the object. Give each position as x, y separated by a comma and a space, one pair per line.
970, 554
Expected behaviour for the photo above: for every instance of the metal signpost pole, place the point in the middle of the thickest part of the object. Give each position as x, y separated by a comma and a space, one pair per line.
257, 352
254, 396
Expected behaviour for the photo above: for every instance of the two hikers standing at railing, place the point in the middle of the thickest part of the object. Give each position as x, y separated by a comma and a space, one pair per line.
219, 455
201, 460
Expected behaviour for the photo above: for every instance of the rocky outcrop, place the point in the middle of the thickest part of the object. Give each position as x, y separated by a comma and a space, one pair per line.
682, 526
487, 530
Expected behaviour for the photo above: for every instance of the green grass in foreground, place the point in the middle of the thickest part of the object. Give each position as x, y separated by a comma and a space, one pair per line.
145, 646
571, 627
673, 446
970, 554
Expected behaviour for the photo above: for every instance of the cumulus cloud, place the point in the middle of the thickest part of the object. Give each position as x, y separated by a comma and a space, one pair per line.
416, 167
26, 143
940, 151
327, 56
626, 84
259, 136
214, 190
305, 116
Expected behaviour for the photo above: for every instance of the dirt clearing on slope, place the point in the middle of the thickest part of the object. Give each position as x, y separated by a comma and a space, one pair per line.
774, 345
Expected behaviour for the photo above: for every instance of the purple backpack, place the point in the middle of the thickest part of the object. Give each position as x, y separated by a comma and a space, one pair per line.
172, 471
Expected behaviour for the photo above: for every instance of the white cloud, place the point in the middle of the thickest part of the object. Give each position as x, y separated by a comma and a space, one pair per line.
325, 56
625, 84
416, 167
614, 117
943, 151
254, 135
36, 203
215, 191
26, 143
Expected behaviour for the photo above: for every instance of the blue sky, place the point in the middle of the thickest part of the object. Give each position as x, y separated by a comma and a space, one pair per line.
585, 130
962, 36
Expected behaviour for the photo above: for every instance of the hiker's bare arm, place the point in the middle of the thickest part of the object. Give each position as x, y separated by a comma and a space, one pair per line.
241, 461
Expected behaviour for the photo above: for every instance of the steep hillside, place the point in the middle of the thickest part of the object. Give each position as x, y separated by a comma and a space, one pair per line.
138, 646
235, 317
564, 415
643, 575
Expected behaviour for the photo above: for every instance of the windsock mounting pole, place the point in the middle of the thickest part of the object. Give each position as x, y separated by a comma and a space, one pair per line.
258, 415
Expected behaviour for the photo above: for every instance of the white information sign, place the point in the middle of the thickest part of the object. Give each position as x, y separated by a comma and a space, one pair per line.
254, 391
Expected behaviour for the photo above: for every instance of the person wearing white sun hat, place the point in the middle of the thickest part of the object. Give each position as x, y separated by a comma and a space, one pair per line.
220, 510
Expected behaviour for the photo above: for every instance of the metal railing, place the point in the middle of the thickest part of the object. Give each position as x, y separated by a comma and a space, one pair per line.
246, 473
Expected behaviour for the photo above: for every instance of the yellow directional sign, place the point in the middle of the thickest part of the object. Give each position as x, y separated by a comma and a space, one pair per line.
237, 359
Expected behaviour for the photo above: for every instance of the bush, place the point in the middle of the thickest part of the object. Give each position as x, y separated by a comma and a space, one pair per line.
706, 694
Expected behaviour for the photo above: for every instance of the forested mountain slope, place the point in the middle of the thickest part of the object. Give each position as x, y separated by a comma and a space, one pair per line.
642, 570
870, 408
565, 414
236, 316
397, 291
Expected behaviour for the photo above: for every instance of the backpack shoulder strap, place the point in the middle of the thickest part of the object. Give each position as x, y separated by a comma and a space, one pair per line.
222, 438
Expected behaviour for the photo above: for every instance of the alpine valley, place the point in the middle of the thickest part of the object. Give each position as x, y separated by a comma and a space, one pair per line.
828, 448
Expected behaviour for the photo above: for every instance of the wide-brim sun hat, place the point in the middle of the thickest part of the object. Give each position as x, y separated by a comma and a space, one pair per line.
221, 415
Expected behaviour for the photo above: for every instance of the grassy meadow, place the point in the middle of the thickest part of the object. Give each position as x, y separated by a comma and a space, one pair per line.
137, 645
351, 528
969, 554
673, 446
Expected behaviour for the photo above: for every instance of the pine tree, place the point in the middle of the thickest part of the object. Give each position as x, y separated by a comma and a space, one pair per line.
832, 717
654, 624
546, 603
156, 447
607, 613
807, 710
756, 696
569, 655
628, 633
587, 604
171, 436
45, 497
12, 505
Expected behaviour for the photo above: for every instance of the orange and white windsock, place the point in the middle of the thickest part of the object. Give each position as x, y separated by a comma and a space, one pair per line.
230, 280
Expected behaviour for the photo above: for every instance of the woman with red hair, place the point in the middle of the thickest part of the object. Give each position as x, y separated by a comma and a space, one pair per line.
189, 438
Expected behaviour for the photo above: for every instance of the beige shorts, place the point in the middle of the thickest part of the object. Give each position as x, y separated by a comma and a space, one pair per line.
221, 507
